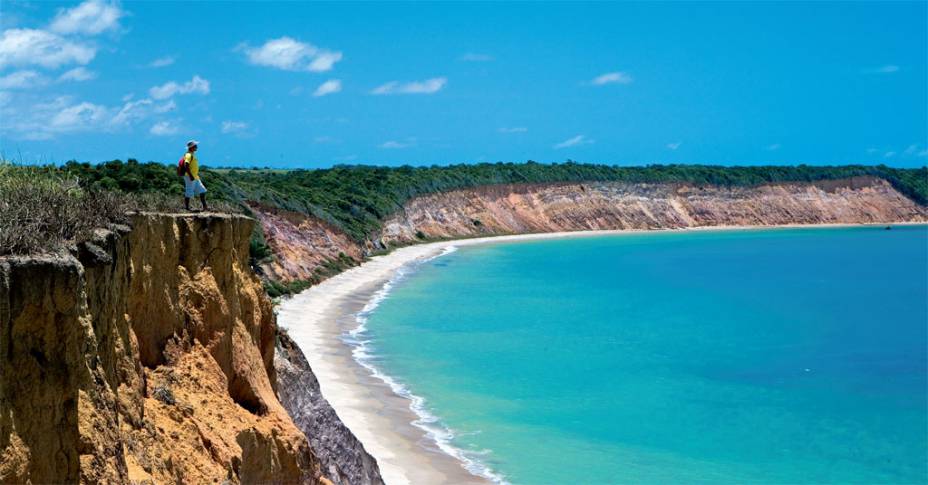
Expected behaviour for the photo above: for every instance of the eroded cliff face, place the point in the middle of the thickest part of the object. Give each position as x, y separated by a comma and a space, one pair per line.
302, 244
146, 355
513, 209
342, 457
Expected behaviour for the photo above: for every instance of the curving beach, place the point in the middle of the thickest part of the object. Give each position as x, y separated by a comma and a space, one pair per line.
392, 424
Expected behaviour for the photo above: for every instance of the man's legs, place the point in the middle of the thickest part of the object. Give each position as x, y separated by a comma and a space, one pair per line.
202, 201
187, 203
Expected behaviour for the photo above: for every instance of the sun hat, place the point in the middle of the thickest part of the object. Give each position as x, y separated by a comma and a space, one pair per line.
192, 143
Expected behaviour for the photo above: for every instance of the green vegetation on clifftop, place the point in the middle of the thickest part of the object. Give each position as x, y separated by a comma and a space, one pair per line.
358, 198
42, 207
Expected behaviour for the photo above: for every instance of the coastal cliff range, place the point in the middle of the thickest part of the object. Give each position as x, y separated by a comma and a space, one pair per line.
533, 208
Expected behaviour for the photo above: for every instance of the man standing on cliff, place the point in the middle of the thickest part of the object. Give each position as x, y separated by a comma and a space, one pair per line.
192, 184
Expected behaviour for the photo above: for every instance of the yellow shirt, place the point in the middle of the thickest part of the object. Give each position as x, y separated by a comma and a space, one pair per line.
194, 165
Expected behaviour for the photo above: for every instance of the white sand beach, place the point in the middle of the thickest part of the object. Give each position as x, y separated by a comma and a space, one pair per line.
319, 318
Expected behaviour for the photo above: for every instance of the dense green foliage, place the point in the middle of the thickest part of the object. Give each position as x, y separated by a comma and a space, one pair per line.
357, 198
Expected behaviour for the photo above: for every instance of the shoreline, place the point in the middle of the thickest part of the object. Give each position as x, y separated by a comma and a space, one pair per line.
327, 323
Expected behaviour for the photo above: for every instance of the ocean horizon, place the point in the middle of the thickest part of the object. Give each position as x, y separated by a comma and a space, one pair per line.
762, 356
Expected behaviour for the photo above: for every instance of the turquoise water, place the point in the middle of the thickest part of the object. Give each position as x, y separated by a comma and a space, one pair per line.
768, 356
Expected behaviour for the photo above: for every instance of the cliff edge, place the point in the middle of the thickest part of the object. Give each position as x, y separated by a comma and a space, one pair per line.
144, 355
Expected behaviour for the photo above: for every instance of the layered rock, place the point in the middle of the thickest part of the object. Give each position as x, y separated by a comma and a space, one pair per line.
513, 209
342, 456
302, 244
145, 355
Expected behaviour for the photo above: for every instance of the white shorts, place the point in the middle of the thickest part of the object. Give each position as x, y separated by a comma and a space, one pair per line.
193, 187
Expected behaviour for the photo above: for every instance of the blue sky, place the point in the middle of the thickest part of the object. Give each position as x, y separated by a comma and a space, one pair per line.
311, 85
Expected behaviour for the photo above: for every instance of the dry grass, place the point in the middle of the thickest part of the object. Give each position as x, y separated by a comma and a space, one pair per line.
42, 210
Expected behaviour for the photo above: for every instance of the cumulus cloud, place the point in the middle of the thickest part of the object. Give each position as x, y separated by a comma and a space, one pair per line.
513, 129
328, 87
673, 146
78, 74
22, 80
89, 18
575, 141
291, 55
132, 112
611, 78
429, 86
197, 85
889, 154
164, 128
43, 120
474, 57
78, 116
24, 47
162, 62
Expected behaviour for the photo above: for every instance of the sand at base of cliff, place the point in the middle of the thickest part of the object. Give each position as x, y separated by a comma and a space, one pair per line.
317, 320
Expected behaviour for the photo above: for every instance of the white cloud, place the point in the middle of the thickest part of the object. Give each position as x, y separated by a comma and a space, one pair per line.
22, 79
673, 146
328, 87
913, 151
78, 74
291, 55
513, 129
164, 108
773, 147
887, 69
889, 154
611, 78
325, 61
234, 126
474, 57
132, 111
429, 86
197, 85
23, 47
164, 128
63, 115
162, 62
237, 128
79, 116
575, 141
91, 18
393, 144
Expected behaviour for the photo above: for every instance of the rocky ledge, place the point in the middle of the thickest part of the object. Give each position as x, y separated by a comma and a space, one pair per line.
147, 355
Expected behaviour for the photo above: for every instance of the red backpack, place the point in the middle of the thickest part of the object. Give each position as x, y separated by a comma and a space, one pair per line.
182, 166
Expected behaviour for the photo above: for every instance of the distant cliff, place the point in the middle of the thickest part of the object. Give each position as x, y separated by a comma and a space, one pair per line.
530, 208
146, 354
513, 209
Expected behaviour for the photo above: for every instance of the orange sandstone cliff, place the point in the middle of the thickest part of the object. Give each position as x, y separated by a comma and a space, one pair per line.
146, 355
531, 208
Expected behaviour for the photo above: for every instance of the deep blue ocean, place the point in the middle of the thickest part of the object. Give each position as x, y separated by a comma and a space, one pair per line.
758, 356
